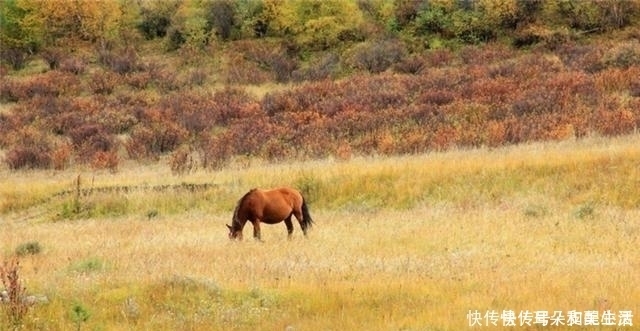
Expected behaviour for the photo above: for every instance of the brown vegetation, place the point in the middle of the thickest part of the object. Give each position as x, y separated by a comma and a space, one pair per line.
425, 83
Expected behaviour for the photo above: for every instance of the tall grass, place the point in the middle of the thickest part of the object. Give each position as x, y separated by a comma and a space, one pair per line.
410, 242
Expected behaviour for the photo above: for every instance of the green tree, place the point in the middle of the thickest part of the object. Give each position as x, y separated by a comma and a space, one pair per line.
313, 24
188, 27
18, 38
155, 17
221, 18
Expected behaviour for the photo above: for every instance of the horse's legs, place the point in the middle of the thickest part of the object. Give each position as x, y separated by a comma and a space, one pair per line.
298, 214
287, 221
256, 229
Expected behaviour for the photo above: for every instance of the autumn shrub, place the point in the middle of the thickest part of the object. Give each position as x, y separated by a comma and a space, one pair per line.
201, 111
74, 65
52, 83
623, 55
233, 104
247, 137
343, 151
376, 56
282, 66
53, 57
30, 149
91, 139
16, 57
7, 125
275, 57
103, 82
485, 54
615, 122
325, 67
436, 97
634, 88
121, 62
151, 140
139, 80
181, 160
198, 77
409, 65
438, 57
242, 71
165, 79
116, 119
587, 58
20, 157
61, 156
105, 160
616, 79
8, 90
215, 151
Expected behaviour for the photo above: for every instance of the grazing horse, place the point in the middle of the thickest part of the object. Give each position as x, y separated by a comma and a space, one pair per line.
271, 207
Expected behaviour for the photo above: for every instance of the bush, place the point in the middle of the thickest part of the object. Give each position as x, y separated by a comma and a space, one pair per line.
410, 65
28, 248
53, 57
103, 82
31, 149
214, 151
278, 58
376, 56
622, 56
155, 18
324, 68
73, 65
16, 57
91, 141
105, 160
123, 62
27, 157
152, 140
181, 161
246, 72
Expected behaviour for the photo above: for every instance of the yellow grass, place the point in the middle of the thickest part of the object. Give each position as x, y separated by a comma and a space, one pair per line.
400, 243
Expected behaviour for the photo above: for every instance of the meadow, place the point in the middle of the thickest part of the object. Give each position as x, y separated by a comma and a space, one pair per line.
413, 242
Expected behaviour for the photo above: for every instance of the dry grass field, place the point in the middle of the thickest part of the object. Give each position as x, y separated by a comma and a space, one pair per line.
399, 243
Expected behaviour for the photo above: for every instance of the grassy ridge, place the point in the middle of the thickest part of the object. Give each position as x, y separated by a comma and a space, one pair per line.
586, 171
410, 242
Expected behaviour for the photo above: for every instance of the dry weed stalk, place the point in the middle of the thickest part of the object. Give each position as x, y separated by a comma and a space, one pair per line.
12, 297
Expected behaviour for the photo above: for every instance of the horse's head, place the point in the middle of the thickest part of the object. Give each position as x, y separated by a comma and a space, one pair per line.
235, 232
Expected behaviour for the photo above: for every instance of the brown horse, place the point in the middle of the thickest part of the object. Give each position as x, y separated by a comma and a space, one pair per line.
271, 207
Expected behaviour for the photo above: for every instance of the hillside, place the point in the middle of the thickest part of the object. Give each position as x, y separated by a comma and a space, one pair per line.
197, 85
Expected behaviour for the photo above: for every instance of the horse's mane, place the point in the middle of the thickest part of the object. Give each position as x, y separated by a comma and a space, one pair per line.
240, 202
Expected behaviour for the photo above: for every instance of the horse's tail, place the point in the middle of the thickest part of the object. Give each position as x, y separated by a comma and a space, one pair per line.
306, 217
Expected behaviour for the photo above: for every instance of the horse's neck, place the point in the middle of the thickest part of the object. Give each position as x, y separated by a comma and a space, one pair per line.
239, 219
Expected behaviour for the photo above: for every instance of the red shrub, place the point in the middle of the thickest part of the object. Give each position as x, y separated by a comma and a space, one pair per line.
138, 80
105, 160
31, 149
214, 151
91, 139
61, 156
28, 157
154, 139
73, 65
615, 122
103, 82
